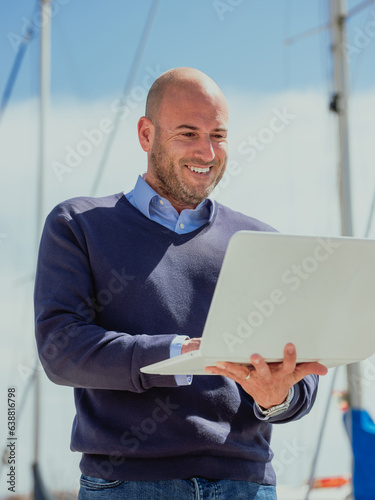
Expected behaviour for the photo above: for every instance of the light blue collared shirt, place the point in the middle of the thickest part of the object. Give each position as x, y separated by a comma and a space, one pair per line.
160, 210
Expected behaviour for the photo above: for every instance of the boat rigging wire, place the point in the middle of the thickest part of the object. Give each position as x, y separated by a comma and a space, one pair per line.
321, 433
359, 7
14, 72
323, 27
370, 217
129, 83
306, 34
16, 67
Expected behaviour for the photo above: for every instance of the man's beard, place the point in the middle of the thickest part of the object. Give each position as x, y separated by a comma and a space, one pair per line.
172, 185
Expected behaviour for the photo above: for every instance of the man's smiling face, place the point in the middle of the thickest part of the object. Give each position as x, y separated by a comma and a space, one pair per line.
188, 144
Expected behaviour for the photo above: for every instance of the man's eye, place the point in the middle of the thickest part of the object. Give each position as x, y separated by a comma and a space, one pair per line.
189, 134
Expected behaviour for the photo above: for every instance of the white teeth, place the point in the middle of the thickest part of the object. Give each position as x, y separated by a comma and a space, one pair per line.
199, 170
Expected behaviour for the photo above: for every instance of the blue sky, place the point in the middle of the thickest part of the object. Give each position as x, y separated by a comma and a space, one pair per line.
239, 43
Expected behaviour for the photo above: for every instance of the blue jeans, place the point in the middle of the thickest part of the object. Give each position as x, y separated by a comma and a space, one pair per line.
175, 489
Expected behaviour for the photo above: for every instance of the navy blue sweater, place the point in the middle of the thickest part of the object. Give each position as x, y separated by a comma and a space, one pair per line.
113, 289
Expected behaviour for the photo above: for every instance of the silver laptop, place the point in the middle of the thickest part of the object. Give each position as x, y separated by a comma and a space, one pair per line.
316, 292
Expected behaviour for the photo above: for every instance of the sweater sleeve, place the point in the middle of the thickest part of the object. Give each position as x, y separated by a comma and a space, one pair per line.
74, 350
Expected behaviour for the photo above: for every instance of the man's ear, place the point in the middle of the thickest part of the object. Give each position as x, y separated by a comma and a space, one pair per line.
146, 133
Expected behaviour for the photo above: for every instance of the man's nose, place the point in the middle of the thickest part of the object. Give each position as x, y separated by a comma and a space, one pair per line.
204, 149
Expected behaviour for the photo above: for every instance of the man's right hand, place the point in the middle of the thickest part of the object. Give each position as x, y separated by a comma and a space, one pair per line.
190, 345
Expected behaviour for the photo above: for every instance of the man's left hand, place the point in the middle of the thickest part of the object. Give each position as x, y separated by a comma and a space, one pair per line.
269, 383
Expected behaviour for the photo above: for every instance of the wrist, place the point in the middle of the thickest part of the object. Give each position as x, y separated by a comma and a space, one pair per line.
271, 405
277, 409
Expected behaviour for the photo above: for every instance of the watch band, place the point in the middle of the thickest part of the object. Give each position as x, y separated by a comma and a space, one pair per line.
276, 410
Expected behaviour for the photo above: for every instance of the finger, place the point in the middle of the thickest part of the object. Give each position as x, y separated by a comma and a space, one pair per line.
212, 369
290, 357
216, 370
234, 369
237, 372
304, 369
261, 367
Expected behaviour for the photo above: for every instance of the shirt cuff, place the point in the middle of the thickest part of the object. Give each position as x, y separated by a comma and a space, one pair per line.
175, 350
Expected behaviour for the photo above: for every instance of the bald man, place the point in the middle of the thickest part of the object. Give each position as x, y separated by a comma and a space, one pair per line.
125, 281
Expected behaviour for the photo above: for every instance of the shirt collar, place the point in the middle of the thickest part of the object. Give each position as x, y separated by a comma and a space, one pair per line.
144, 195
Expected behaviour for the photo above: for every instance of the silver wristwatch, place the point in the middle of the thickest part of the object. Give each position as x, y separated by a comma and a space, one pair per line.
276, 410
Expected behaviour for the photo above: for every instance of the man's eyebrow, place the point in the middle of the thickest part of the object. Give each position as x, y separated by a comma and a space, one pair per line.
191, 127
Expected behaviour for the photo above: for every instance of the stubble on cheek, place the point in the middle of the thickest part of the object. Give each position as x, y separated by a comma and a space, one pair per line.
169, 172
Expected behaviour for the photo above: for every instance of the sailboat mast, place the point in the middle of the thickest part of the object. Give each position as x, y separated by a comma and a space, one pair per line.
45, 7
338, 18
338, 15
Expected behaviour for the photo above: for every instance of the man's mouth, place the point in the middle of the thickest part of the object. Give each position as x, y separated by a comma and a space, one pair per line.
199, 170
